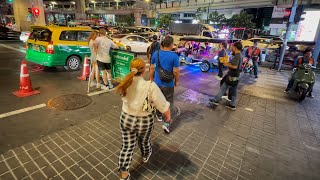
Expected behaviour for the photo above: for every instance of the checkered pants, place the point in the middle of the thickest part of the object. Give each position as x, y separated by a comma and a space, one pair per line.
134, 129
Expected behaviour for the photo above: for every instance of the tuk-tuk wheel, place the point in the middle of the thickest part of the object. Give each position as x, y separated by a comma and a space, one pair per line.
205, 66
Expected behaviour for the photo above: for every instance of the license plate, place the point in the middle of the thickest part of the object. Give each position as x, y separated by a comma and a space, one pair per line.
36, 47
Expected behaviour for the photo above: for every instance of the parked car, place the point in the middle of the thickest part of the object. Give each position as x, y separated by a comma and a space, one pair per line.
24, 36
129, 30
150, 30
263, 43
58, 46
134, 42
8, 34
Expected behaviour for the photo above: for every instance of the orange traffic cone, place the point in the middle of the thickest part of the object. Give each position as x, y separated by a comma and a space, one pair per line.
25, 83
85, 69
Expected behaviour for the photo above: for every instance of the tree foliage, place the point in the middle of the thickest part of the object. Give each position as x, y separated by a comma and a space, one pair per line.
199, 13
241, 20
218, 19
125, 20
164, 20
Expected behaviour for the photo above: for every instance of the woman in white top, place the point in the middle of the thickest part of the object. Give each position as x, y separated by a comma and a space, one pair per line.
95, 72
136, 124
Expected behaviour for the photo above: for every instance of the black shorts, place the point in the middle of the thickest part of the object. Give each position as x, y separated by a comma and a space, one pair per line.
104, 66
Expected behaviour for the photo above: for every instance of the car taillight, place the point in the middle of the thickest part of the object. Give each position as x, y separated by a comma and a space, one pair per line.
49, 49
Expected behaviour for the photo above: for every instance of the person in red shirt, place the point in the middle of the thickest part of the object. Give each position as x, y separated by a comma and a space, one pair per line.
253, 53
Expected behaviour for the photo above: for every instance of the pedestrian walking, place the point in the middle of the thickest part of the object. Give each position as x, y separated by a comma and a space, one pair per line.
93, 59
164, 71
253, 53
103, 45
153, 47
232, 78
137, 117
221, 58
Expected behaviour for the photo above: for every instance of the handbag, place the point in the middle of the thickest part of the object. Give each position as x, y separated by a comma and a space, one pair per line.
147, 103
164, 75
224, 59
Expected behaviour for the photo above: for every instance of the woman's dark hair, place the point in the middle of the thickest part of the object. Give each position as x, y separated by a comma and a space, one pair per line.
224, 44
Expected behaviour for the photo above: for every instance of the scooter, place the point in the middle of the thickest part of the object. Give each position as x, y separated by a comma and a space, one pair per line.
303, 82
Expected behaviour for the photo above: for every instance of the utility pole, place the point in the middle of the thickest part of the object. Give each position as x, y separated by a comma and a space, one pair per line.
208, 12
285, 41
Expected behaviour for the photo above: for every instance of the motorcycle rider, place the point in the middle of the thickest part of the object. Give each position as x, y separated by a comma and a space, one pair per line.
253, 53
303, 60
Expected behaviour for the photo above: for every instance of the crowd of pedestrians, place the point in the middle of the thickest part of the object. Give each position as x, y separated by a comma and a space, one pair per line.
143, 101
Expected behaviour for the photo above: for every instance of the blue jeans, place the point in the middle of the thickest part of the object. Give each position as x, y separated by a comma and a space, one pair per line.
223, 89
255, 68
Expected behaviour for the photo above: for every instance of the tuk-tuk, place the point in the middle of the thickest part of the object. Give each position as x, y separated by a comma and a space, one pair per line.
203, 50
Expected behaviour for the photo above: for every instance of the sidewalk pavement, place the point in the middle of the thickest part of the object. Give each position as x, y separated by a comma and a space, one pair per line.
269, 136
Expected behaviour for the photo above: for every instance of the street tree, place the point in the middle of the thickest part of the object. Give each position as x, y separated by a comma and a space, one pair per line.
218, 19
126, 20
241, 20
164, 20
199, 14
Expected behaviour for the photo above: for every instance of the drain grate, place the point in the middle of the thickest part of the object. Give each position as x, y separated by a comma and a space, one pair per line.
69, 102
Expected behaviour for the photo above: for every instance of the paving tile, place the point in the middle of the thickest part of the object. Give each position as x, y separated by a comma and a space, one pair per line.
41, 162
76, 170
3, 167
38, 175
20, 173
12, 162
49, 171
7, 176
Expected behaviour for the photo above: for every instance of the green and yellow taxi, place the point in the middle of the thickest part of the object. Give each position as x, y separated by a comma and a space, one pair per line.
52, 46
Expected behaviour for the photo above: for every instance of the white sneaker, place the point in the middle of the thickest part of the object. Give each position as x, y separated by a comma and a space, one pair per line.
165, 127
98, 85
218, 78
226, 98
103, 87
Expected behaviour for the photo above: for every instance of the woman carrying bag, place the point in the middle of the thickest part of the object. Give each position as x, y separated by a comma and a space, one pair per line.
140, 99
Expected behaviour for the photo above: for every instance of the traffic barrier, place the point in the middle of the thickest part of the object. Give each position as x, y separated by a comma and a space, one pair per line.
85, 69
25, 83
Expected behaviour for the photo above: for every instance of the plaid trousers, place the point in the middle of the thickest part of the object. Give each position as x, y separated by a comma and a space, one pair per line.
133, 129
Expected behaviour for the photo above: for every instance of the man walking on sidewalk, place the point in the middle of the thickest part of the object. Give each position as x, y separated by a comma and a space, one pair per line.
232, 78
102, 46
165, 61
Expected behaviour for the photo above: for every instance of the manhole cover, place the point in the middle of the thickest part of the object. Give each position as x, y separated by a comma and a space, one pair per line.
69, 102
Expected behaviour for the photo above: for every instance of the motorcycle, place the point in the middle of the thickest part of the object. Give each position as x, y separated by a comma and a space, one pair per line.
303, 82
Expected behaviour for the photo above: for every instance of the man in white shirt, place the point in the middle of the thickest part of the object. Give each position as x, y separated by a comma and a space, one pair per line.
102, 47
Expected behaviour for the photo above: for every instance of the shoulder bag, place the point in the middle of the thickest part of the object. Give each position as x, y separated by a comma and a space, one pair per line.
164, 75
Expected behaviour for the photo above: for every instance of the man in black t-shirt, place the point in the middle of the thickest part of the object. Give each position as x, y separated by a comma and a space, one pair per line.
153, 47
232, 77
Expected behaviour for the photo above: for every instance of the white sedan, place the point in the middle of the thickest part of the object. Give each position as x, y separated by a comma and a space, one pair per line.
135, 42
